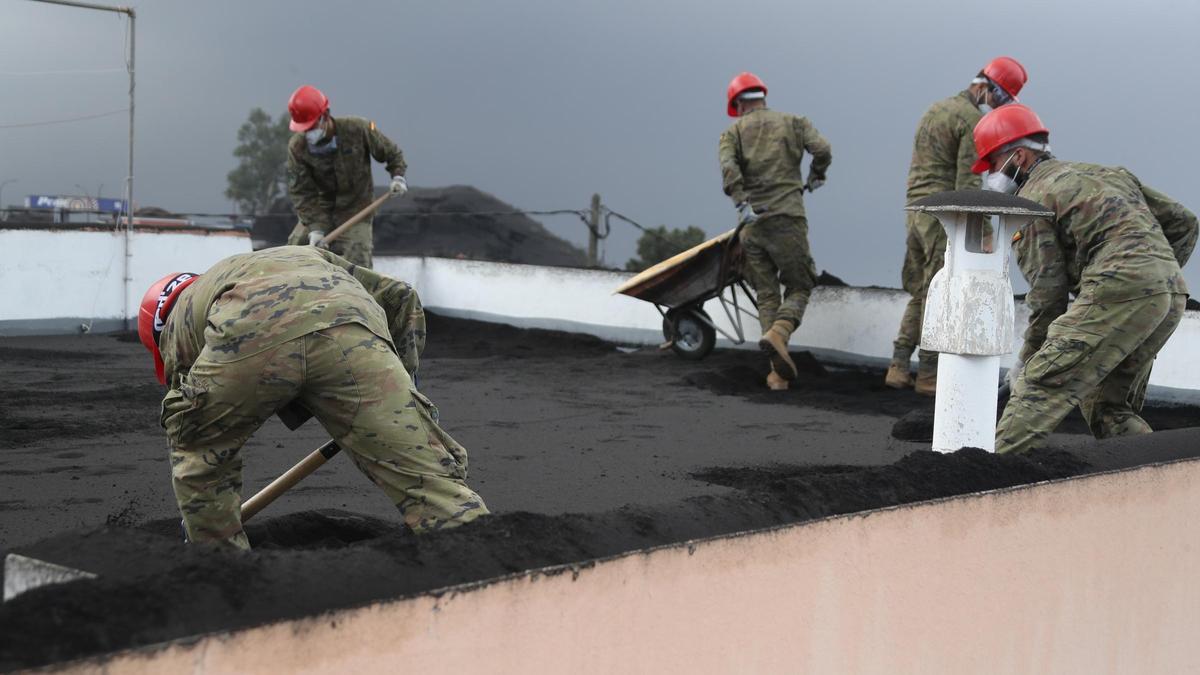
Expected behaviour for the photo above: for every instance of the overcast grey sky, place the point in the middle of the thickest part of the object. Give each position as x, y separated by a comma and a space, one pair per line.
542, 102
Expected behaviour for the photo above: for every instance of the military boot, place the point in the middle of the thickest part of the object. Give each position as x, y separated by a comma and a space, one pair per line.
926, 384
775, 382
775, 343
898, 376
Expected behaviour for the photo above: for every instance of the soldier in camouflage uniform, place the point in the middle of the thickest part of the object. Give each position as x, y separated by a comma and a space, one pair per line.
261, 330
329, 174
760, 157
1117, 246
941, 160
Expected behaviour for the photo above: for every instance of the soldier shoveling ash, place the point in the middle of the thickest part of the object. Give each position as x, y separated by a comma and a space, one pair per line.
941, 160
1114, 243
329, 174
261, 330
760, 158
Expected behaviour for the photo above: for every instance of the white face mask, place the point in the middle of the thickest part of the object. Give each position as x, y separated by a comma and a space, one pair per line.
998, 181
315, 134
981, 102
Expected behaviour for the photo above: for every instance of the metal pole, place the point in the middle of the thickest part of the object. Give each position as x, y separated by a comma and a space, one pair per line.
129, 178
2, 184
593, 228
128, 11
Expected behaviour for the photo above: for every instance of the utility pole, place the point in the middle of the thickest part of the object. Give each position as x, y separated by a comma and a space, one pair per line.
127, 11
2, 184
593, 229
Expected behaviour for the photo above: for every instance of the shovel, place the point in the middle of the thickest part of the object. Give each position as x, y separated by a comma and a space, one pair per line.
288, 480
357, 218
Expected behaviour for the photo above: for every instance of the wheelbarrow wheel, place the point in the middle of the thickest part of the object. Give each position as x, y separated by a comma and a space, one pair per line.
690, 332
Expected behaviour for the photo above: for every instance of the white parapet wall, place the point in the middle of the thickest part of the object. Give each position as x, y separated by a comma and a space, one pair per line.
58, 280
845, 323
1087, 575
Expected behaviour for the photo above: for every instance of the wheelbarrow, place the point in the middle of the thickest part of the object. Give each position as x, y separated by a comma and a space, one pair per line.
679, 286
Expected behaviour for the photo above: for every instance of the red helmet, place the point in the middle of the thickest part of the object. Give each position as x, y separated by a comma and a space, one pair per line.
739, 85
1002, 126
156, 305
306, 105
1008, 73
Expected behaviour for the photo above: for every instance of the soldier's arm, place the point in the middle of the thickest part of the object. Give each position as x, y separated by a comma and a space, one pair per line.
385, 151
816, 145
312, 209
731, 167
401, 305
1178, 223
1041, 261
964, 178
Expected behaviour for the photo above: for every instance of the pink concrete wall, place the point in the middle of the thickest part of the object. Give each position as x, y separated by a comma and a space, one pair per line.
1092, 575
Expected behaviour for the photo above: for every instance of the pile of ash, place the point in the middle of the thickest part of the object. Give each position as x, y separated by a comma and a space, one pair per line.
440, 222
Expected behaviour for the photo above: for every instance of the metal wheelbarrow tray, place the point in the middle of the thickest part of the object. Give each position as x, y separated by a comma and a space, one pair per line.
679, 286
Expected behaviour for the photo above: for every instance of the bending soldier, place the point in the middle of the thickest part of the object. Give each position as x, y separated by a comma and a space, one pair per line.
760, 157
261, 330
1114, 243
329, 174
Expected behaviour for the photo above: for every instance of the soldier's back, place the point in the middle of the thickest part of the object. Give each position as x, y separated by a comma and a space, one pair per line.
770, 149
937, 143
251, 302
1114, 247
770, 146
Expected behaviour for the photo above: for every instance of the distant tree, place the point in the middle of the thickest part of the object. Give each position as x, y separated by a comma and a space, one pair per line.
658, 243
261, 174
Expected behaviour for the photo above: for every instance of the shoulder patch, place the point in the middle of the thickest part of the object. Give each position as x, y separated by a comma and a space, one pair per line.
1018, 235
372, 125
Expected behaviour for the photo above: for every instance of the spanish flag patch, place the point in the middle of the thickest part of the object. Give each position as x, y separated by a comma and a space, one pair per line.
1017, 236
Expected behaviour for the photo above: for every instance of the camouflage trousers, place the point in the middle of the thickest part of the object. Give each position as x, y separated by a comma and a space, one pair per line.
925, 252
355, 244
775, 251
1097, 357
354, 384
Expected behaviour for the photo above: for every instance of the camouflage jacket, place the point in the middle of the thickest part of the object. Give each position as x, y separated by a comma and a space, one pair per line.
249, 303
1111, 239
327, 189
944, 148
760, 157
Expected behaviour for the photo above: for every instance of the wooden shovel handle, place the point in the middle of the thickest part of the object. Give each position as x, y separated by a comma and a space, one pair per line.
357, 218
289, 479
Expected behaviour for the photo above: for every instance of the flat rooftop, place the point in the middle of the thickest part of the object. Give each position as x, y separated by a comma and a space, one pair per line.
580, 447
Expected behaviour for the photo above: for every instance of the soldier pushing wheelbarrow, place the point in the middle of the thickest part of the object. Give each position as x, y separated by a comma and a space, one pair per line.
760, 156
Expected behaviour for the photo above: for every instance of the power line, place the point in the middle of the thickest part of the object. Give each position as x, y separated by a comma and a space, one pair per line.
22, 125
583, 215
81, 71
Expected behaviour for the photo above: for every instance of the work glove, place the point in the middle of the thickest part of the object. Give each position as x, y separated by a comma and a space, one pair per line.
814, 182
317, 238
399, 186
746, 214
